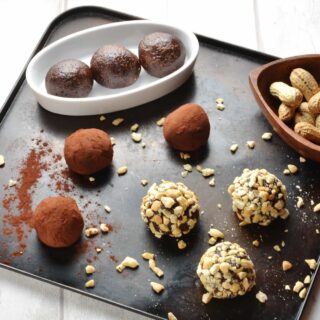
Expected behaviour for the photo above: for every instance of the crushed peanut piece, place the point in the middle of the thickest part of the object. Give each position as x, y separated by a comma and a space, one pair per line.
312, 263
113, 141
283, 244
117, 121
182, 245
215, 233
147, 255
286, 172
161, 121
143, 145
287, 287
184, 174
286, 265
220, 106
303, 293
155, 269
90, 269
270, 258
267, 136
302, 160
316, 208
134, 127
185, 156
144, 182
256, 243
91, 232
207, 172
307, 280
157, 287
300, 202
212, 241
128, 262
317, 231
102, 118
104, 228
12, 183
292, 168
107, 208
2, 162
187, 167
171, 316
122, 170
219, 205
261, 297
136, 137
92, 179
234, 148
199, 168
251, 144
212, 182
98, 249
277, 248
206, 297
219, 100
90, 283
298, 286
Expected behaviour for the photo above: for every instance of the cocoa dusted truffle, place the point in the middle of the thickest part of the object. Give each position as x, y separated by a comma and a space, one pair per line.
69, 78
161, 53
170, 209
226, 271
114, 66
58, 221
88, 151
187, 128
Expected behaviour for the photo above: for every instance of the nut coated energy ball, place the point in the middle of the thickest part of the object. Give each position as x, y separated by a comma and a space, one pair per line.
258, 197
170, 209
226, 271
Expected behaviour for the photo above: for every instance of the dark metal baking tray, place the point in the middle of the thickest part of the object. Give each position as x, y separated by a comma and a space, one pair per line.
221, 71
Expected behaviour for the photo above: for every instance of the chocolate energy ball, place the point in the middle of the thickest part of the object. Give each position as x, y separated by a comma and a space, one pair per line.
58, 222
88, 151
258, 197
170, 209
226, 271
69, 78
187, 128
114, 66
161, 53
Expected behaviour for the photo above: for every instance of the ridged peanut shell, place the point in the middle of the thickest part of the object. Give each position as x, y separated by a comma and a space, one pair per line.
290, 96
308, 131
286, 113
314, 104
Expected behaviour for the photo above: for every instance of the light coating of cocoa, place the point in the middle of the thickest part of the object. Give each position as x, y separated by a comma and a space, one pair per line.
58, 221
88, 151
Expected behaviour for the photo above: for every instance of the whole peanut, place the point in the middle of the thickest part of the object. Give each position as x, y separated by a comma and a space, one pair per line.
304, 107
303, 114
290, 96
308, 131
286, 113
314, 104
305, 82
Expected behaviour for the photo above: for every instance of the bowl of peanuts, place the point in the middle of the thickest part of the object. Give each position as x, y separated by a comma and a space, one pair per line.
288, 93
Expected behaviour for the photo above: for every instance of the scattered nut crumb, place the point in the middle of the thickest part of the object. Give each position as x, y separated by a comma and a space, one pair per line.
143, 145
212, 182
92, 179
157, 287
207, 172
12, 183
161, 121
317, 231
185, 156
286, 230
171, 316
251, 144
261, 297
2, 162
234, 148
128, 262
104, 228
91, 232
219, 205
311, 202
206, 297
256, 243
287, 287
286, 172
267, 136
316, 208
136, 137
212, 241
122, 170
277, 248
144, 182
90, 269
90, 283
147, 255
292, 168
312, 263
302, 160
187, 167
219, 100
199, 168
220, 106
303, 293
102, 118
298, 286
270, 258
184, 174
300, 202
107, 208
155, 269
134, 127
98, 249
117, 121
182, 245
215, 233
113, 140
307, 280
286, 265
283, 244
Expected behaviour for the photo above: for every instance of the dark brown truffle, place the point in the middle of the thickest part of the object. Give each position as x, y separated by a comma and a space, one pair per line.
87, 151
58, 222
187, 128
161, 53
69, 78
114, 66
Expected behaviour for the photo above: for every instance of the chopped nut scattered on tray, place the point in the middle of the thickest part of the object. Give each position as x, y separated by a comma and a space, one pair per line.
90, 283
122, 170
147, 255
107, 208
212, 182
286, 172
128, 262
113, 140
307, 280
277, 248
187, 167
261, 297
267, 136
90, 269
171, 316
12, 183
286, 265
104, 228
312, 263
316, 208
303, 293
220, 106
2, 161
117, 121
292, 168
302, 160
161, 121
206, 297
155, 269
256, 243
215, 233
136, 137
300, 202
298, 286
157, 287
287, 287
182, 245
102, 118
91, 232
98, 249
207, 172
92, 179
185, 156
234, 148
184, 174
134, 127
251, 144
219, 100
144, 182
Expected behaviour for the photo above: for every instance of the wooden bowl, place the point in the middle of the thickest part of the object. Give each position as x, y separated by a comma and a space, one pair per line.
279, 70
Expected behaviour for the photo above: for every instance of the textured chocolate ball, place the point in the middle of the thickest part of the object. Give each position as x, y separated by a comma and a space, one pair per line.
161, 53
69, 78
114, 66
88, 151
58, 222
187, 128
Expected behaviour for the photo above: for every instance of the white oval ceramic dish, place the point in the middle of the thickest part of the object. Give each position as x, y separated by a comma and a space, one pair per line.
83, 44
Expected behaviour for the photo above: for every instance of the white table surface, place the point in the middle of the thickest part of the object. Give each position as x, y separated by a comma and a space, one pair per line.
282, 28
